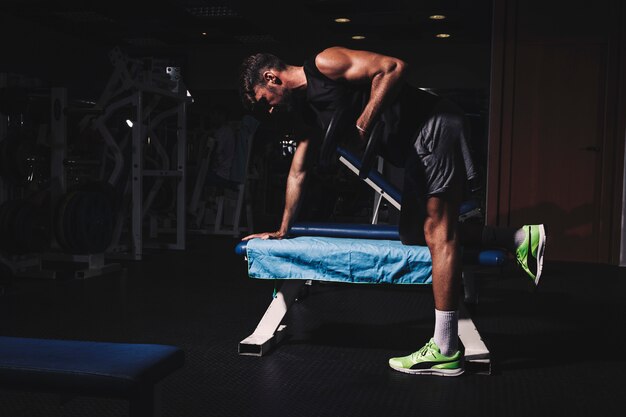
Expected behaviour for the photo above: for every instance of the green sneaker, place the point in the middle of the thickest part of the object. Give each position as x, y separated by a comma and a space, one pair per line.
530, 252
429, 361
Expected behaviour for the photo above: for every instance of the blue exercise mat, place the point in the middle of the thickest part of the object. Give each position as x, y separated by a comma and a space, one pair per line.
366, 261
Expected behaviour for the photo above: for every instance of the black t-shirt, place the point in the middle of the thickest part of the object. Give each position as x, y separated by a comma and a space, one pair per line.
403, 117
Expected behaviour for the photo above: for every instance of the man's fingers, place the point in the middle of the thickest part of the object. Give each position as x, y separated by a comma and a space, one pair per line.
263, 236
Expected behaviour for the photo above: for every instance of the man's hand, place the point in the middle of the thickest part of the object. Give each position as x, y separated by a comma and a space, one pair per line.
363, 134
267, 235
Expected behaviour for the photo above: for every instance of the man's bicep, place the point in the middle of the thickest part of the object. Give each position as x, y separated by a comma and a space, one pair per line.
309, 142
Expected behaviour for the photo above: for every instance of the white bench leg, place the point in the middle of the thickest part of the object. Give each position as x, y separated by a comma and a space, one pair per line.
269, 330
475, 349
469, 287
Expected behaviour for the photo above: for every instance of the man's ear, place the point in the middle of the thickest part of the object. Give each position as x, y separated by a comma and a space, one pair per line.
270, 77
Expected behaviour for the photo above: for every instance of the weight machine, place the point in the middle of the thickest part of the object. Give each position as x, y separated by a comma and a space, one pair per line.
148, 95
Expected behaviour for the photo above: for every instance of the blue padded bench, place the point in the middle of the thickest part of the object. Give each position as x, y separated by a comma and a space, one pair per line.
388, 191
278, 262
111, 370
488, 257
348, 260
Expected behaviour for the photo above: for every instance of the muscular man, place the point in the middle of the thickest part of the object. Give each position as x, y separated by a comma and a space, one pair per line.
424, 134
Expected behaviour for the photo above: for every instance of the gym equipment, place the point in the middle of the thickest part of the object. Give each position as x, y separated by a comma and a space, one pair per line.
342, 128
83, 221
489, 257
111, 370
339, 125
347, 260
384, 189
152, 96
352, 253
371, 150
336, 259
22, 159
159, 193
204, 214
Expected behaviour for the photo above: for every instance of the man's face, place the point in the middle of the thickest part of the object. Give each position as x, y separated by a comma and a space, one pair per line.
275, 95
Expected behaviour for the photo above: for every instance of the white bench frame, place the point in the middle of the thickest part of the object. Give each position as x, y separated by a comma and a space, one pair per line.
270, 331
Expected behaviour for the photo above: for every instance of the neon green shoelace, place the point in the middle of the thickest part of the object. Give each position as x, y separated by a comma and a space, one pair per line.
422, 352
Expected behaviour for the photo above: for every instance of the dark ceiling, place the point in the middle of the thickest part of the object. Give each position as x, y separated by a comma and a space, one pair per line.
159, 25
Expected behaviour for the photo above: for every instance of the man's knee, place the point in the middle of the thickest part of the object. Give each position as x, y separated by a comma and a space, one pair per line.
436, 232
442, 242
440, 227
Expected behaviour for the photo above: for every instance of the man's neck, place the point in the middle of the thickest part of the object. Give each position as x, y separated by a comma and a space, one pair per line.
294, 78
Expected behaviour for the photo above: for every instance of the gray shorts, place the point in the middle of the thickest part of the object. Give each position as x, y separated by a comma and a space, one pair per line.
437, 162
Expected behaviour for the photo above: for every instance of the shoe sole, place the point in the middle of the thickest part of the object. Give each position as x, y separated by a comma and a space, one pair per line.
435, 372
540, 250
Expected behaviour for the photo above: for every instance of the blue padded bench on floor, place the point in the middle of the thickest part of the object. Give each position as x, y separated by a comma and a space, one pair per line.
299, 259
481, 257
112, 370
339, 259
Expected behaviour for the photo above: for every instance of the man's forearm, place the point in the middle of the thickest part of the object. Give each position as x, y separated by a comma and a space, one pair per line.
385, 87
295, 185
293, 196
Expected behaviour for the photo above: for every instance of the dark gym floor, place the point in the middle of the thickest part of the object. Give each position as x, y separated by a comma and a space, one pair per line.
556, 351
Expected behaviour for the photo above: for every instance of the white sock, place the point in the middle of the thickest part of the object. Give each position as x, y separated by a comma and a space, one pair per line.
505, 237
520, 235
447, 331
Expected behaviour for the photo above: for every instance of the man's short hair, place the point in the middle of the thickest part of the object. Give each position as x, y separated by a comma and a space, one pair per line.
251, 74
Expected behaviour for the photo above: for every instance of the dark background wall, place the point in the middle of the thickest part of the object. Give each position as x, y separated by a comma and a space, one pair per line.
57, 59
553, 74
557, 123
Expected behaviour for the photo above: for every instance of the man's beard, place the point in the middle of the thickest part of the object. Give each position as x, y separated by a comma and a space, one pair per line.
286, 100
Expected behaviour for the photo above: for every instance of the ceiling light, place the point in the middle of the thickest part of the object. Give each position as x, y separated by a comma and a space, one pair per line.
437, 17
358, 37
342, 20
203, 33
443, 35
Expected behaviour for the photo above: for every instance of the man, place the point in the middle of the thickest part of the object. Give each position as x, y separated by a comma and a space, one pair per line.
425, 135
